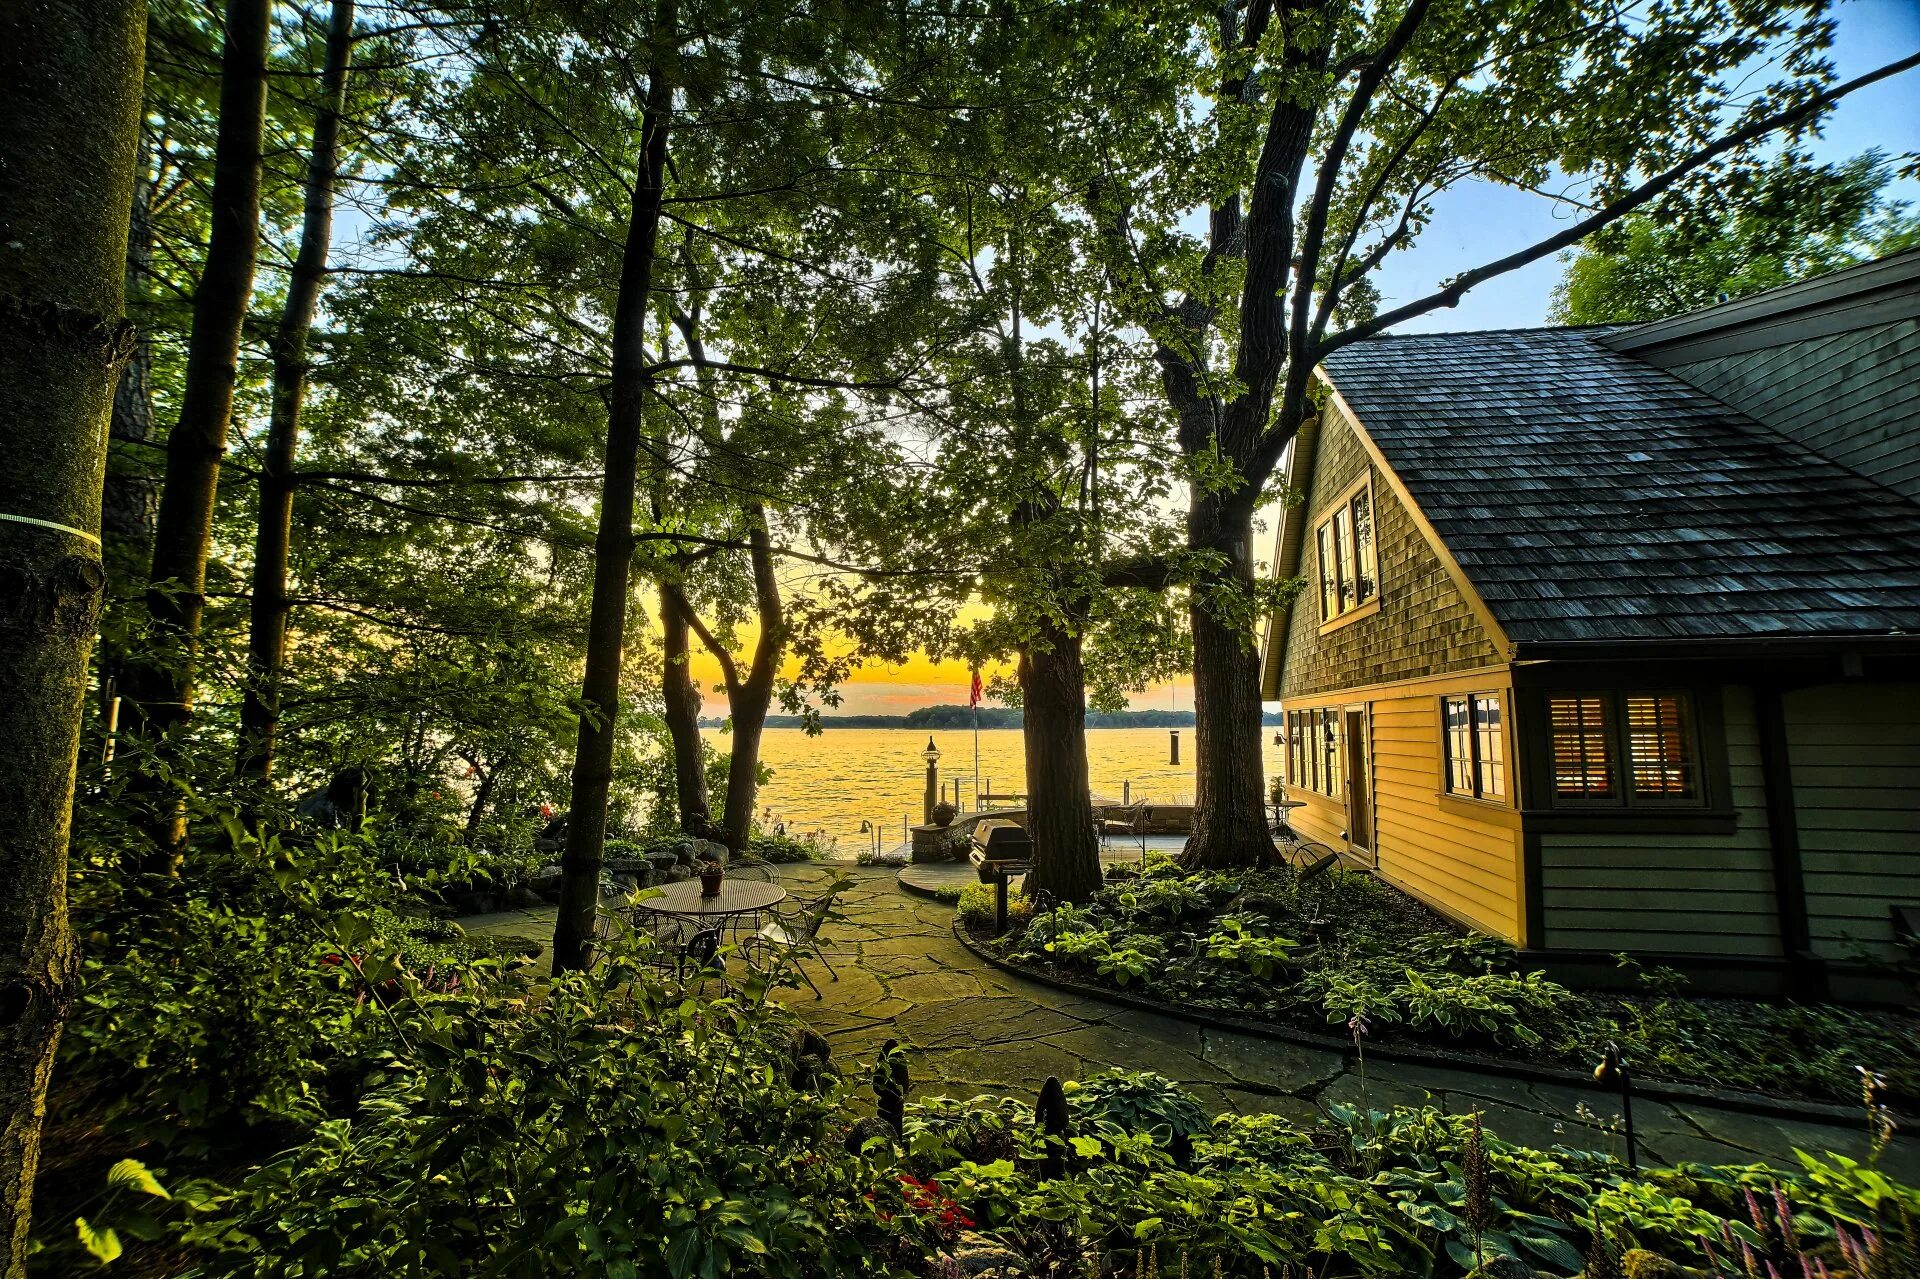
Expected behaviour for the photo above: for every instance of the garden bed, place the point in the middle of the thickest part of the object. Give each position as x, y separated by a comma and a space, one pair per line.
1348, 955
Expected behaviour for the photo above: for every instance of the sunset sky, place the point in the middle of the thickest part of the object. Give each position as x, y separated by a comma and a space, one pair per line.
1476, 224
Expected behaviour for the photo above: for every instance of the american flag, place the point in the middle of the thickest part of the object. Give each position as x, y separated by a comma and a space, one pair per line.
973, 698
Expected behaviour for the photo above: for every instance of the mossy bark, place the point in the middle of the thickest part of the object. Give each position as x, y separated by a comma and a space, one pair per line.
273, 532
159, 685
613, 541
70, 83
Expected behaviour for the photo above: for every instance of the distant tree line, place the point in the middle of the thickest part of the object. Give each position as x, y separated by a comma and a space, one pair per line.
950, 717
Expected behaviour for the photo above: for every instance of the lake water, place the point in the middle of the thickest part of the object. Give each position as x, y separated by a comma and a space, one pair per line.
833, 782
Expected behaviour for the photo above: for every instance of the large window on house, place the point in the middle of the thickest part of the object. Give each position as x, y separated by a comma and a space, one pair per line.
1313, 751
1474, 733
1623, 748
1348, 562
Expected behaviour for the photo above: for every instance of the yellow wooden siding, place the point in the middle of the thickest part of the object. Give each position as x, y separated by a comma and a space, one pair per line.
1856, 789
1466, 865
1686, 894
1461, 863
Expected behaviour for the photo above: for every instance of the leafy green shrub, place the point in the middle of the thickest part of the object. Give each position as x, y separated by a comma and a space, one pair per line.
239, 992
1235, 941
1496, 1005
1139, 1101
1223, 940
784, 850
1406, 1192
975, 909
1131, 959
1163, 898
1053, 923
1344, 993
613, 1125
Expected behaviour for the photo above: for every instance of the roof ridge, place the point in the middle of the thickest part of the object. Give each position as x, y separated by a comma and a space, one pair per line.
1474, 333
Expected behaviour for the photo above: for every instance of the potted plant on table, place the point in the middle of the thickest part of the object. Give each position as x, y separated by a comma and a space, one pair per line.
711, 875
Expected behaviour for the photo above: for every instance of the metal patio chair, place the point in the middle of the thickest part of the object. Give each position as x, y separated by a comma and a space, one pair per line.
794, 933
1128, 823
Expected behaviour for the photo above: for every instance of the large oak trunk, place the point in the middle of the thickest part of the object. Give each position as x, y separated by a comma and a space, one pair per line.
682, 698
613, 541
1053, 691
1229, 812
159, 686
70, 82
273, 534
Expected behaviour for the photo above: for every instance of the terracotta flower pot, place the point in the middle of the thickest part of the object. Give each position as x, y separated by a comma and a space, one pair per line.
710, 877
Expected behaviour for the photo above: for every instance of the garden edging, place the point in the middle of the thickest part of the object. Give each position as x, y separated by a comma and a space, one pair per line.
1818, 1112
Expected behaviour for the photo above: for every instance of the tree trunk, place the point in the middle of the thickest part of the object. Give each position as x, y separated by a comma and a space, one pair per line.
1053, 692
682, 698
613, 542
131, 495
481, 795
1229, 812
159, 686
70, 85
748, 701
273, 534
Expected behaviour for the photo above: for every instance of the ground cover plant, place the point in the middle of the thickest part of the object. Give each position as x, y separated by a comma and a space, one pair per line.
1149, 1186
1345, 953
434, 1112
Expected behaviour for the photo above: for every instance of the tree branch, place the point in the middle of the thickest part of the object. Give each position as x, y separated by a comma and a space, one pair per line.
1646, 191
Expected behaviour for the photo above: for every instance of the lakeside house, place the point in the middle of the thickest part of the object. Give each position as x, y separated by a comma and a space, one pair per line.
1610, 637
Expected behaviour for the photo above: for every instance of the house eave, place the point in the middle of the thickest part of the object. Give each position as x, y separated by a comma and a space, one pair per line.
1717, 647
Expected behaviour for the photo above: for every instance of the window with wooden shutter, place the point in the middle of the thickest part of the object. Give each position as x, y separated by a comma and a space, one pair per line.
1660, 755
1625, 749
1582, 758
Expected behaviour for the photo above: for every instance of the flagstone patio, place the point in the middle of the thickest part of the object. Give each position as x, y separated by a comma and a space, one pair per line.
970, 1028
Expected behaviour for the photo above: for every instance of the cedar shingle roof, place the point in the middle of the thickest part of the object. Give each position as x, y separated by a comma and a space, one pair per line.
1588, 496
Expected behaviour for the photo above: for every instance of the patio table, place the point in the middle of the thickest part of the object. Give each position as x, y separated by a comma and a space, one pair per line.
737, 897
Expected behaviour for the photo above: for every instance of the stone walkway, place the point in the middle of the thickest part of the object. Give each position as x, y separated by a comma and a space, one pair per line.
972, 1029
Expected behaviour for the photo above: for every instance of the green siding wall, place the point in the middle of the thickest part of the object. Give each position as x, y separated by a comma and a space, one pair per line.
1856, 787
1424, 626
1853, 397
1685, 894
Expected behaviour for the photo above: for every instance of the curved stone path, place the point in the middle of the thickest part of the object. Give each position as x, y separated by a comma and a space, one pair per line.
970, 1029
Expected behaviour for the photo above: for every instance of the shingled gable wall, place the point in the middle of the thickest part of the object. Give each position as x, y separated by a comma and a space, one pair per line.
1424, 626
